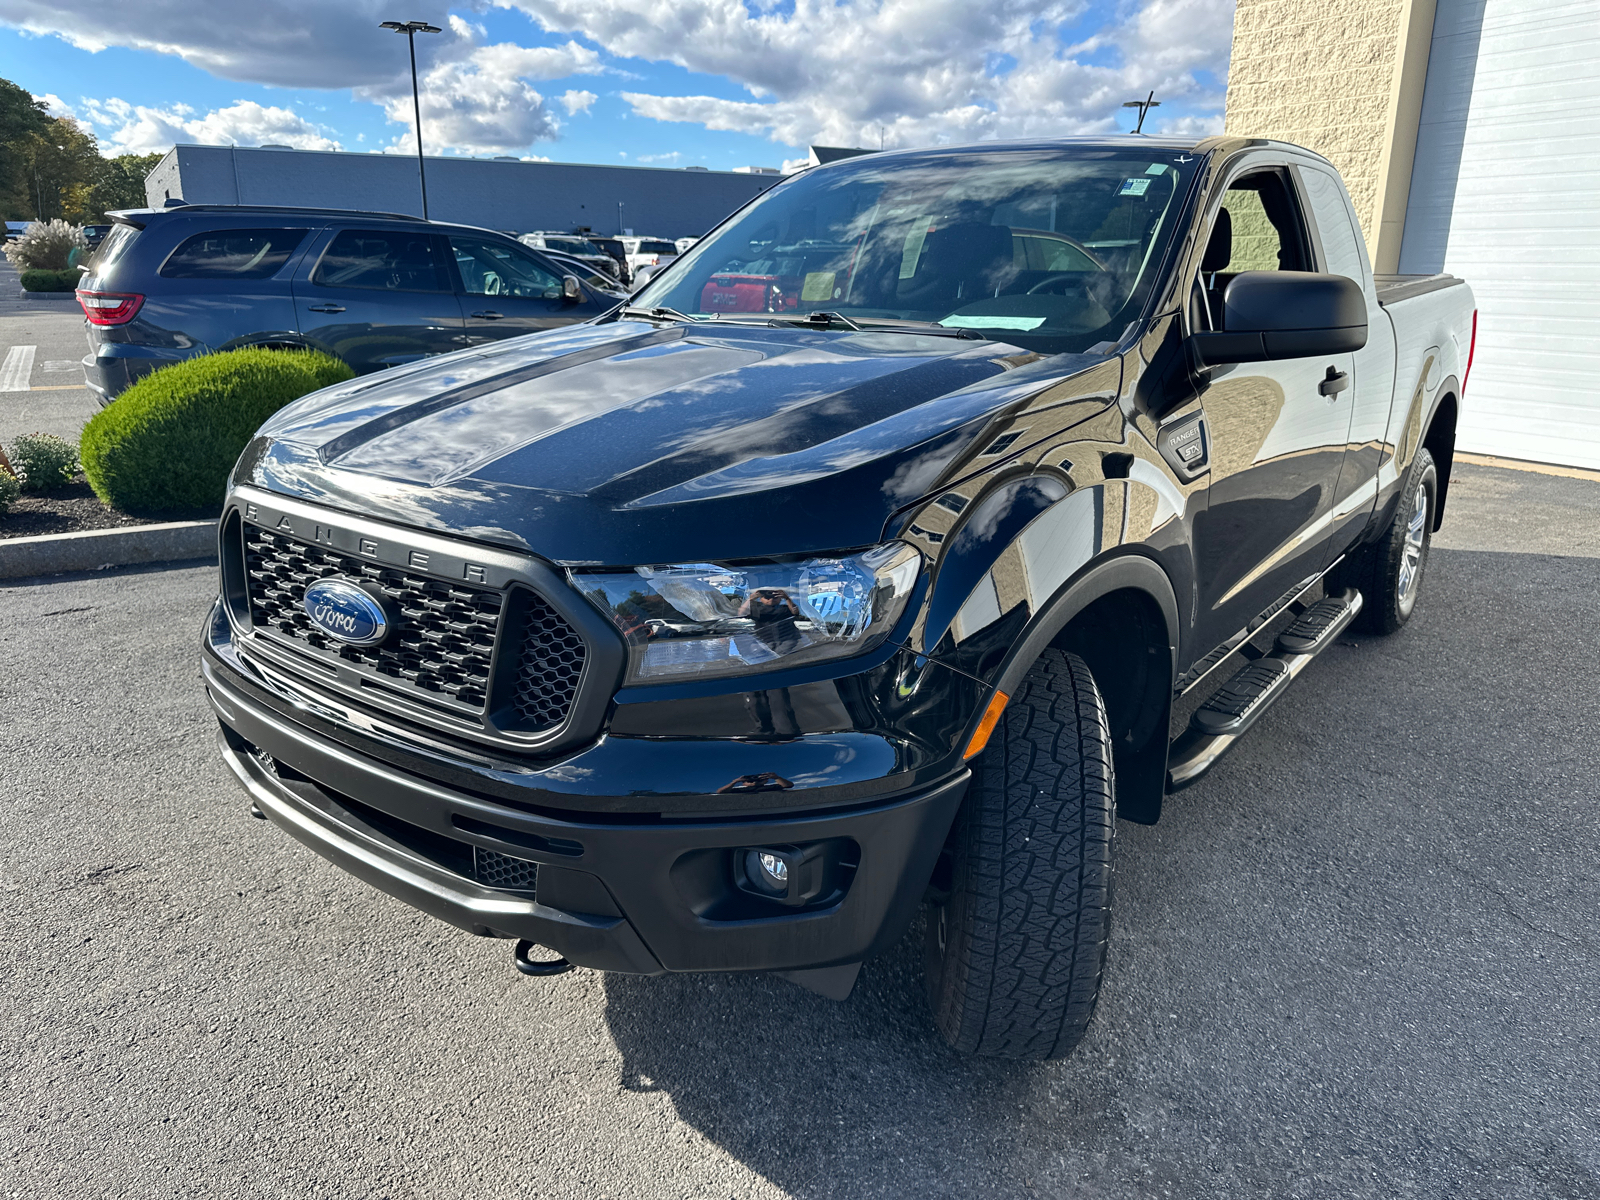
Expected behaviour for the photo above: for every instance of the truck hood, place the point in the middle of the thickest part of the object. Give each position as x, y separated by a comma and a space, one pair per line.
626, 442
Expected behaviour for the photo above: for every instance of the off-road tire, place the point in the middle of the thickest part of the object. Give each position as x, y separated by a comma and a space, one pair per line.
1389, 572
1014, 957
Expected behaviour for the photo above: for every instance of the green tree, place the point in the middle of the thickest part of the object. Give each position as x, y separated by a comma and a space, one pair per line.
120, 183
64, 161
22, 118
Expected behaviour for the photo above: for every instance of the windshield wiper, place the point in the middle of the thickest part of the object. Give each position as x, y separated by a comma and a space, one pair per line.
659, 313
823, 320
827, 320
930, 328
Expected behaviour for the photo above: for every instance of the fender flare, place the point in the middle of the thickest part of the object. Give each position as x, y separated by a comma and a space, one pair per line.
1141, 770
1124, 572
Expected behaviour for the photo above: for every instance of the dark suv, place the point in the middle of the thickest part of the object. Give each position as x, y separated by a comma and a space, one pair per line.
375, 289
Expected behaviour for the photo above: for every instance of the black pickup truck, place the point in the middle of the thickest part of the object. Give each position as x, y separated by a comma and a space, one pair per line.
853, 571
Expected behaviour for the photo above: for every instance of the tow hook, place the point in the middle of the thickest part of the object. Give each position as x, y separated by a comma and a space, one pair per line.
554, 966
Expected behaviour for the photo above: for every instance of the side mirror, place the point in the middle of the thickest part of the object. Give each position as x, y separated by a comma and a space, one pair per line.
572, 291
1270, 315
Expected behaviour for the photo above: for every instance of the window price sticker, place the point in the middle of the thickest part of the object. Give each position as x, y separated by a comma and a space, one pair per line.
1135, 187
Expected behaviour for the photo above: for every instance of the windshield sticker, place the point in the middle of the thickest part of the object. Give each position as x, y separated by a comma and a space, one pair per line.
973, 322
818, 286
912, 250
1156, 169
1135, 187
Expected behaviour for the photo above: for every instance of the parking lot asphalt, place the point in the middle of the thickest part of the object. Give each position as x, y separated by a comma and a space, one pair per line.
54, 399
1360, 959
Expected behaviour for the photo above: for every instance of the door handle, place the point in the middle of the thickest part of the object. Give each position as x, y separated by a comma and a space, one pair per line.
327, 308
1335, 382
487, 314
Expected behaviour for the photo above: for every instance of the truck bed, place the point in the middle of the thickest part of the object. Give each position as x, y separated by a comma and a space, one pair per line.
1394, 288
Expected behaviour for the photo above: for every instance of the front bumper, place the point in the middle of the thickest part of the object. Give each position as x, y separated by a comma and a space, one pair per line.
641, 895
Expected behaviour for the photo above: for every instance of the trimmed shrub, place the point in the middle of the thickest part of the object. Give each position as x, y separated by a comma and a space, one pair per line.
43, 461
50, 281
44, 246
10, 489
166, 445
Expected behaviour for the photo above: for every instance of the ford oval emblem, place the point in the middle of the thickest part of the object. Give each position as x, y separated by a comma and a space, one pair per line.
341, 609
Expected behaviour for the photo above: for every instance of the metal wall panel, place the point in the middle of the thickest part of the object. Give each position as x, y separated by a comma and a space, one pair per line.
1505, 193
510, 196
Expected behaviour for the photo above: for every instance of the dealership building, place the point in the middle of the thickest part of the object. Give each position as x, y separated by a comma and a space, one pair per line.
1468, 132
500, 193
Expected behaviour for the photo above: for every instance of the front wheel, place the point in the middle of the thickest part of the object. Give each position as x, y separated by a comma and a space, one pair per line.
1015, 955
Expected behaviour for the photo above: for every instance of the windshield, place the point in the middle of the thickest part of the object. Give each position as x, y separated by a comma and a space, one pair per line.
1051, 249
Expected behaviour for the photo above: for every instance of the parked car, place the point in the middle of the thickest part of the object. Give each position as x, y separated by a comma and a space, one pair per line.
618, 253
727, 636
93, 235
15, 229
588, 275
648, 252
375, 289
575, 246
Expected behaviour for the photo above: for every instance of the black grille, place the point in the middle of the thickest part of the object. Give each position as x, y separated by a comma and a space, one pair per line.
446, 633
551, 665
497, 870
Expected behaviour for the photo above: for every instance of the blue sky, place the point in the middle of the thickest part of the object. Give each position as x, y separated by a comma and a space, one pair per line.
713, 83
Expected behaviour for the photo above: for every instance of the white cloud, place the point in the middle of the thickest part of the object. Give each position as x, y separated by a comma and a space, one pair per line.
477, 98
670, 157
577, 102
480, 100
840, 72
56, 106
908, 72
124, 128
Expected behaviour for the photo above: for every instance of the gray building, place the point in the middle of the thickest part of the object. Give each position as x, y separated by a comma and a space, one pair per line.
507, 194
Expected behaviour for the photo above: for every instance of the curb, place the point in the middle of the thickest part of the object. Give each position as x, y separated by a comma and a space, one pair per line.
52, 554
27, 295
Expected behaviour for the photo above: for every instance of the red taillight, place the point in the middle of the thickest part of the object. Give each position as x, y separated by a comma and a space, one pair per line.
109, 308
1471, 350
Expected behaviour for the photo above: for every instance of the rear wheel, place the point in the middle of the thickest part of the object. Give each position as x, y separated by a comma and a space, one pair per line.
1015, 955
1389, 572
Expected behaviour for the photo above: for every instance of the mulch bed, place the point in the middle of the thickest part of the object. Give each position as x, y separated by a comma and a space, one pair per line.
70, 509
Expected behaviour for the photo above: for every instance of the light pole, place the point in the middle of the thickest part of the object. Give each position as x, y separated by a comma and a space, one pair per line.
411, 29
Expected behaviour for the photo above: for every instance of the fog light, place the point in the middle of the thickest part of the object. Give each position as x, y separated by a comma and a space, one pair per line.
788, 874
774, 871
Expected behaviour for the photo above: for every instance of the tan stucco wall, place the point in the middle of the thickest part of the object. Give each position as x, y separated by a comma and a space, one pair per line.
1343, 78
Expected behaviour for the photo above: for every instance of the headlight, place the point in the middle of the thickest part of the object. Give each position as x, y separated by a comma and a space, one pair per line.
703, 621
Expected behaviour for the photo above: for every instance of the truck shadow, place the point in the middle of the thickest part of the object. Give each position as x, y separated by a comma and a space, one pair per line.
855, 1098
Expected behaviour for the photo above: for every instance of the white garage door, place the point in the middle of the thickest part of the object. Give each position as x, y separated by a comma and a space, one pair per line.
1506, 194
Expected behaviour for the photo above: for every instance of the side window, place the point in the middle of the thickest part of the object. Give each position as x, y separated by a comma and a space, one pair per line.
1258, 227
492, 269
382, 261
232, 254
1346, 253
1265, 224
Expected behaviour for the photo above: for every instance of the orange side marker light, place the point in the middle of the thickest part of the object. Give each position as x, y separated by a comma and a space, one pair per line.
991, 718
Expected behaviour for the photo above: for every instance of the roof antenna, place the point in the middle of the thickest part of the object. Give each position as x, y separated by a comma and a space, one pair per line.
1144, 106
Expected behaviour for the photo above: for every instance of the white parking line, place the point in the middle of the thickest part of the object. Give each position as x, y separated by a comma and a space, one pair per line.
17, 369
